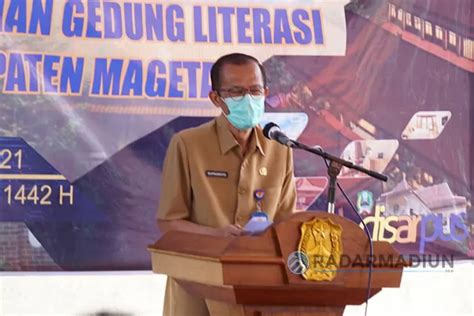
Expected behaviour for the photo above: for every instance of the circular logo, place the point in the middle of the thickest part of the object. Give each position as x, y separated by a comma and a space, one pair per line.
298, 262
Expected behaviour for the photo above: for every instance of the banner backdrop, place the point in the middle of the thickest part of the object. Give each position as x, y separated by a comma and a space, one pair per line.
92, 91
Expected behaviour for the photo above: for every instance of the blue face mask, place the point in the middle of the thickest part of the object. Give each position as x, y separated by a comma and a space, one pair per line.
246, 113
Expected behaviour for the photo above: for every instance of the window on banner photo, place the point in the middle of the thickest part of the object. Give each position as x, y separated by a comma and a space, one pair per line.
417, 23
400, 14
452, 38
439, 32
468, 48
393, 11
408, 19
428, 29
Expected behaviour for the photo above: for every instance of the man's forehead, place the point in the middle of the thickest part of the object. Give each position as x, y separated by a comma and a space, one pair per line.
247, 73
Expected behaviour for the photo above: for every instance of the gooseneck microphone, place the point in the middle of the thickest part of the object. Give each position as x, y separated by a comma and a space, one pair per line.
273, 131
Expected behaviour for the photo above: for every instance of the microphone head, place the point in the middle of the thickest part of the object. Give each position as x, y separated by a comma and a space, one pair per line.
267, 128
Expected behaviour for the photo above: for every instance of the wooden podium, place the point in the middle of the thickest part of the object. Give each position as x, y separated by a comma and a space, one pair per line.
249, 275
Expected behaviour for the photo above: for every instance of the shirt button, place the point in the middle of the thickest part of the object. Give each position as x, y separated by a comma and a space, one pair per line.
241, 191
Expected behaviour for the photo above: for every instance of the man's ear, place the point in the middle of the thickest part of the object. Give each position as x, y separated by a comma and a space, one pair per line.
216, 99
266, 91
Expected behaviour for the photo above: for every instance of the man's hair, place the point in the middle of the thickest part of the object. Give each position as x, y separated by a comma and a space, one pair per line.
233, 59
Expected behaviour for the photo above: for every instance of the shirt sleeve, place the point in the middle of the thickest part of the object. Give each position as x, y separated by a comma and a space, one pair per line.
176, 193
287, 203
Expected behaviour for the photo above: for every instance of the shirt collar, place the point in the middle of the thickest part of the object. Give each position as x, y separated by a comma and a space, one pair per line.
259, 139
227, 140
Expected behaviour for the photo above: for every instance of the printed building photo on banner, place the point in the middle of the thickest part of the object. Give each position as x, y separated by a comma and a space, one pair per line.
373, 155
426, 125
309, 189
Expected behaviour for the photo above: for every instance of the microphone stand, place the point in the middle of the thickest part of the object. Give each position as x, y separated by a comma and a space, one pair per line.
335, 166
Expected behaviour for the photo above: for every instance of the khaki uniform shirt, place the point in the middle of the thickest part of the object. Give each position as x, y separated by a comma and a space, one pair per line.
206, 180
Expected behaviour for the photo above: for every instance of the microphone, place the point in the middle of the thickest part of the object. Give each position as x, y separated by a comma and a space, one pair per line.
273, 131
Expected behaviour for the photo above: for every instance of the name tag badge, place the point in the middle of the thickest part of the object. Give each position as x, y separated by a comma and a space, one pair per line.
216, 174
258, 222
259, 216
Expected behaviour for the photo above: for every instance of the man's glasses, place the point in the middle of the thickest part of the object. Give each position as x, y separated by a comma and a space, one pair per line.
237, 94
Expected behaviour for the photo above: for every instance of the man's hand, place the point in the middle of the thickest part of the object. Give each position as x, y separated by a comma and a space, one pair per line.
187, 226
229, 230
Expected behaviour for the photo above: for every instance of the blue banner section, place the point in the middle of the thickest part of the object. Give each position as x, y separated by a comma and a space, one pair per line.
31, 190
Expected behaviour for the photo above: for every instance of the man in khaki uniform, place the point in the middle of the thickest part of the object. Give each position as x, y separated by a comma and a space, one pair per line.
212, 172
